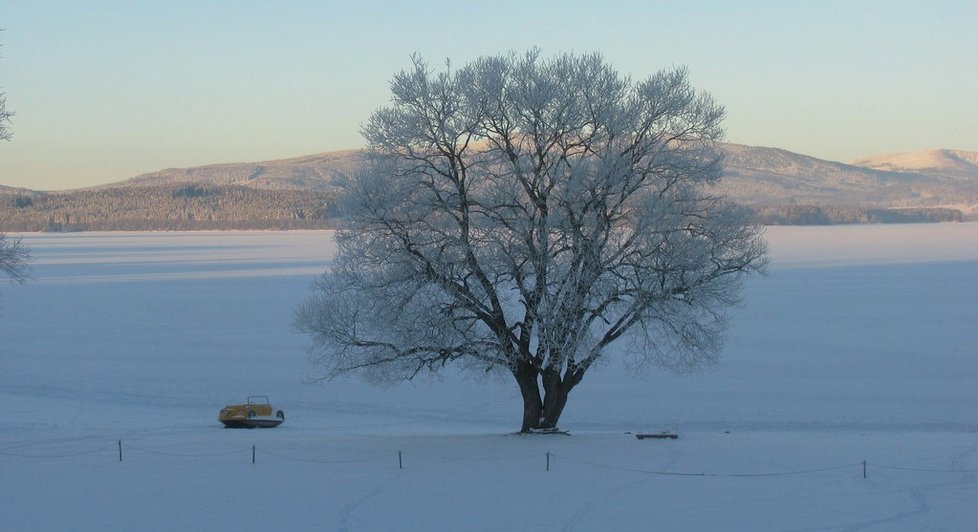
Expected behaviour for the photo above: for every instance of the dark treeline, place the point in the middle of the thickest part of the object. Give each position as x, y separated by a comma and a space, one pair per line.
197, 206
816, 215
166, 207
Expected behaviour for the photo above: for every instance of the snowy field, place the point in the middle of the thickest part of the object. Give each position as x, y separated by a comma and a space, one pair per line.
857, 353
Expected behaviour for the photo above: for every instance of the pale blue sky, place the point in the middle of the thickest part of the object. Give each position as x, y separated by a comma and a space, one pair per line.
106, 90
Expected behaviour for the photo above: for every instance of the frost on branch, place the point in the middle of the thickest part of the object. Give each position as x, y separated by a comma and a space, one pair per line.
525, 214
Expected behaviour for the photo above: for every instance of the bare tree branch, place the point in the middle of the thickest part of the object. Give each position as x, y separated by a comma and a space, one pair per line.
528, 214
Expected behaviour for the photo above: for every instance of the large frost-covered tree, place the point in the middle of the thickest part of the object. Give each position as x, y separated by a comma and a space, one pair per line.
533, 215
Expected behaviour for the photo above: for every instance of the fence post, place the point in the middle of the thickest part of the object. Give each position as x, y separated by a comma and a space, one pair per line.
864, 469
120, 450
548, 460
400, 460
252, 454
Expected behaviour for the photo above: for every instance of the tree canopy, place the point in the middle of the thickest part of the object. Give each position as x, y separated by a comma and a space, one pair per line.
14, 259
526, 214
14, 255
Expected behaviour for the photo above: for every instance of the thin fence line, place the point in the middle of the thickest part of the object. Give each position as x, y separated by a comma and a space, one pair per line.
630, 469
921, 470
786, 473
475, 457
713, 475
67, 455
312, 461
431, 458
129, 446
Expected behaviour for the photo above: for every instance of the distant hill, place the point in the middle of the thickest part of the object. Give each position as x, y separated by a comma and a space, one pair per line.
754, 176
311, 172
768, 176
4, 189
793, 188
781, 186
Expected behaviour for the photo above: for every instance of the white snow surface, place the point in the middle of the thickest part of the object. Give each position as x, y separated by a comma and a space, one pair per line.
859, 346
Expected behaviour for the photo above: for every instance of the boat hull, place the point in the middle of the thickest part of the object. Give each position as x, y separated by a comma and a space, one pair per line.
252, 423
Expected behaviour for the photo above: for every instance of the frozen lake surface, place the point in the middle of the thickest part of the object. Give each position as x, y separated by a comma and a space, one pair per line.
860, 345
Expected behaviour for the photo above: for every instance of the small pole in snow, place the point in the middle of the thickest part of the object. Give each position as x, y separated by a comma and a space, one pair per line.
400, 460
864, 469
548, 460
252, 454
120, 450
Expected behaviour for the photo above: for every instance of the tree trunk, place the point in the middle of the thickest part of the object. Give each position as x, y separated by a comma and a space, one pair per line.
526, 377
555, 398
541, 413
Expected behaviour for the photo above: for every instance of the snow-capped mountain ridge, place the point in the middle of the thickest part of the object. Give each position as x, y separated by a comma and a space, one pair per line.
952, 163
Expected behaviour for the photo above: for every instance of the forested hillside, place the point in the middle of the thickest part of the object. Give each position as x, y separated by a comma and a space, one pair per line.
165, 207
781, 187
829, 215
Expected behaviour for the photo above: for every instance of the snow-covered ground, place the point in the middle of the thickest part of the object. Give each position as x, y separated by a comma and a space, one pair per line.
859, 346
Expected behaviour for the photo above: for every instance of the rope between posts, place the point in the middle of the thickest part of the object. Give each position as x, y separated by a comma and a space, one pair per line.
64, 455
922, 470
549, 457
183, 455
714, 475
312, 461
474, 457
785, 473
